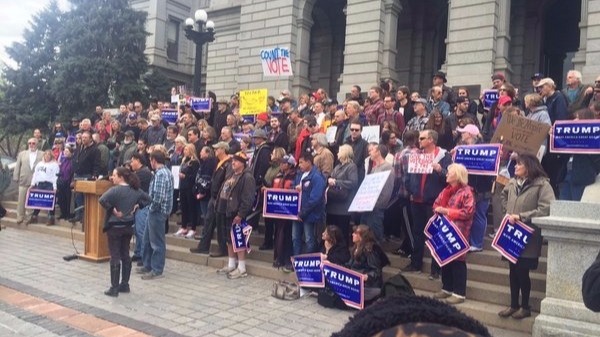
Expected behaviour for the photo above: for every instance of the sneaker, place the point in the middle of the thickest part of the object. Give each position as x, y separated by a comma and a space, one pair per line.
288, 268
190, 234
474, 249
411, 269
236, 274
142, 270
434, 276
152, 276
225, 270
522, 313
455, 299
492, 235
180, 232
442, 294
507, 312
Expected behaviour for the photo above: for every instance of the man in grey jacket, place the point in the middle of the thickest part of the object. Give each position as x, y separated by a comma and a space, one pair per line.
374, 218
23, 172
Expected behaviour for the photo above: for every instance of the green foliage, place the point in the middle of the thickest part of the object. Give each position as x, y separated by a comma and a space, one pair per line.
158, 85
70, 62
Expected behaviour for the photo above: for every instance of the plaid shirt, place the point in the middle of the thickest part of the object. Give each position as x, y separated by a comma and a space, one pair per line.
161, 191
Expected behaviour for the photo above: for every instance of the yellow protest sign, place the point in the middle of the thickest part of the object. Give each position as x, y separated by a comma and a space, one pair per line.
253, 102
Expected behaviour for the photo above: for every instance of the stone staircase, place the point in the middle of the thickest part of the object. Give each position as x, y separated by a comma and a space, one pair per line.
487, 286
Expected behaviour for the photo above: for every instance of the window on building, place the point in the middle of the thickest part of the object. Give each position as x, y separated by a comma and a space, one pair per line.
173, 40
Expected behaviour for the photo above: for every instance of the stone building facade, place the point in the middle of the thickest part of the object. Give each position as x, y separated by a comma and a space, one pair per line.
335, 44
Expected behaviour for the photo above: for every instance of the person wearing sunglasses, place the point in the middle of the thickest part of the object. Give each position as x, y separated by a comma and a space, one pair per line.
23, 173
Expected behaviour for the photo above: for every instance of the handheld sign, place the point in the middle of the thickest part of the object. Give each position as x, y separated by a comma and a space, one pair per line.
368, 192
175, 172
370, 133
511, 239
330, 134
489, 98
308, 270
40, 199
420, 163
169, 115
519, 134
348, 284
479, 159
200, 104
576, 137
240, 237
276, 62
445, 242
253, 102
281, 204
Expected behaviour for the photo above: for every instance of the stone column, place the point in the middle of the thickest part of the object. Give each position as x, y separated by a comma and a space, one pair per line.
502, 62
472, 32
579, 58
391, 10
363, 57
302, 62
591, 67
573, 234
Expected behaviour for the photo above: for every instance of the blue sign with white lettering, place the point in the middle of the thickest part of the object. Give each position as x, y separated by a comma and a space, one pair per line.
170, 115
308, 270
581, 136
348, 284
489, 98
445, 241
240, 237
511, 239
248, 119
200, 104
481, 159
40, 199
281, 204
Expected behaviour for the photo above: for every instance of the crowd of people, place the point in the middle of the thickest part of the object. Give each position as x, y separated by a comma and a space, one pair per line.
225, 161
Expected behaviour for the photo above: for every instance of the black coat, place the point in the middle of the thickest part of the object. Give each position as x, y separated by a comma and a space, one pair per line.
204, 175
261, 160
189, 169
87, 161
338, 254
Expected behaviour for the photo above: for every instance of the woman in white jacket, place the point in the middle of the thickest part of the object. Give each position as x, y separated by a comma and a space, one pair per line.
44, 178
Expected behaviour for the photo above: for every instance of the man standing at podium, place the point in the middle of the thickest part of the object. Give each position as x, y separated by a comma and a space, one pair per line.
161, 193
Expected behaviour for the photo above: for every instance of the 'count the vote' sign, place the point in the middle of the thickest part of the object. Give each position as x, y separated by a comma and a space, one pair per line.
276, 62
581, 136
445, 242
348, 284
479, 159
40, 199
281, 204
308, 270
511, 239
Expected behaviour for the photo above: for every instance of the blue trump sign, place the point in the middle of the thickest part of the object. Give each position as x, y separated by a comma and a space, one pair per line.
200, 104
308, 270
40, 199
348, 284
240, 237
489, 98
479, 159
445, 241
170, 115
281, 204
511, 239
576, 137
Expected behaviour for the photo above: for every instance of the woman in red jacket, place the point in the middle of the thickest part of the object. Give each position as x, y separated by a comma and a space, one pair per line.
457, 203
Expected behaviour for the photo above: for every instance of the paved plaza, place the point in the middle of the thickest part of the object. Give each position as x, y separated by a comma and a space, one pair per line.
42, 295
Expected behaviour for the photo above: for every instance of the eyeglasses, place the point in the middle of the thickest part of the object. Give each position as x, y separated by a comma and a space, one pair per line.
355, 130
423, 138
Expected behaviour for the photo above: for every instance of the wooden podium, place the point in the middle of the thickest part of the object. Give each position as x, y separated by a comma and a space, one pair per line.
96, 242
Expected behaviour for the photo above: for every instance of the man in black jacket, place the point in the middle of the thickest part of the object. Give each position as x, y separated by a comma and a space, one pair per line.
86, 163
261, 160
359, 147
222, 172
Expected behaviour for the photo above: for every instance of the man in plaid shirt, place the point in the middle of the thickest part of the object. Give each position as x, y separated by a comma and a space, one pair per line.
161, 192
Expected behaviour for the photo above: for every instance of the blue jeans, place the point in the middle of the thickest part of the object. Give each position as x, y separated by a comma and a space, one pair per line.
308, 229
141, 222
374, 220
479, 223
155, 247
569, 191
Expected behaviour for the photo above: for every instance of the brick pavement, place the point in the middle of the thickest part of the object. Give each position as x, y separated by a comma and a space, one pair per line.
192, 300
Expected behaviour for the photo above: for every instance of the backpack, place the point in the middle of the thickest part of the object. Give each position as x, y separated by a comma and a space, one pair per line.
285, 290
396, 285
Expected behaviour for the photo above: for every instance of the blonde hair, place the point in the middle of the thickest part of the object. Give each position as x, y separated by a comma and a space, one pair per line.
278, 153
181, 139
345, 154
462, 176
192, 149
533, 100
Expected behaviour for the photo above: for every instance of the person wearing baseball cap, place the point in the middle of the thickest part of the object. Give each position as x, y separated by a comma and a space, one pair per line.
234, 204
261, 160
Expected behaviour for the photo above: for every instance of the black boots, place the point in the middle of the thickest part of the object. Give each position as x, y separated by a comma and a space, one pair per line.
115, 271
124, 286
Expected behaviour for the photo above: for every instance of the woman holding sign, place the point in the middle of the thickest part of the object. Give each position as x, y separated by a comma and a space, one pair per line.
457, 203
526, 196
44, 178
